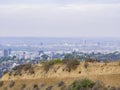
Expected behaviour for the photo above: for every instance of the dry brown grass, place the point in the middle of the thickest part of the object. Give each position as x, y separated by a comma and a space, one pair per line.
109, 74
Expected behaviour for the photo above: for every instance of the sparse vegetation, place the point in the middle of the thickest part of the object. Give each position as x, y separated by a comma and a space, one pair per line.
106, 62
92, 60
24, 67
1, 83
42, 85
98, 85
119, 62
82, 84
63, 87
12, 83
65, 65
5, 88
61, 83
72, 64
48, 64
49, 88
31, 71
56, 61
86, 64
35, 87
18, 69
23, 86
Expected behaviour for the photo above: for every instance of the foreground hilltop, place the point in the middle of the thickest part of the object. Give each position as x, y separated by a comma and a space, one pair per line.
53, 72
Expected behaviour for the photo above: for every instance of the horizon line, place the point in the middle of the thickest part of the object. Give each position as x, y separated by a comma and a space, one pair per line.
50, 37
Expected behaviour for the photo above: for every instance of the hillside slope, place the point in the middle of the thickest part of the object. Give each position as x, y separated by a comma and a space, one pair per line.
109, 73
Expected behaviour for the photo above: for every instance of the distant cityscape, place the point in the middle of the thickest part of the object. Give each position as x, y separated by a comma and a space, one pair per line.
16, 51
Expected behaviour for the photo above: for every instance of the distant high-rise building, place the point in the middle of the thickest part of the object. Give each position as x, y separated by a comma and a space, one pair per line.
5, 53
84, 42
24, 54
9, 51
40, 52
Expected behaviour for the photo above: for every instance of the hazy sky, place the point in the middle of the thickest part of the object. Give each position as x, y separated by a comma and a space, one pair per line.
60, 18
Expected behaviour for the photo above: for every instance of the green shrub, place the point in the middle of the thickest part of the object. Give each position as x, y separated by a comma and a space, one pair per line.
72, 64
57, 61
48, 64
82, 84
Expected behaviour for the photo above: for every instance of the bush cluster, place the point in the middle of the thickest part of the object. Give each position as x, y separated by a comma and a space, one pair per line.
48, 64
82, 84
52, 62
26, 67
22, 67
71, 64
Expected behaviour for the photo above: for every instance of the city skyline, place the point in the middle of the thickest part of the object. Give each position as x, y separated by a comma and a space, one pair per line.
54, 18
